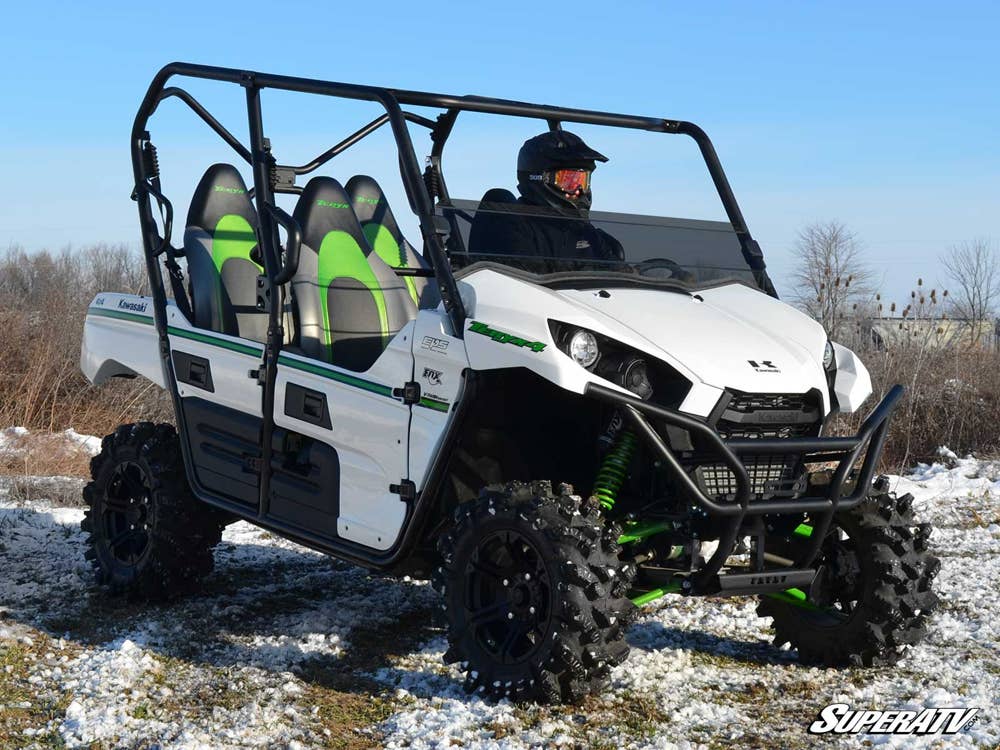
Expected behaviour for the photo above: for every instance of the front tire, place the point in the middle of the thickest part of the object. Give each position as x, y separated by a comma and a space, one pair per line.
872, 596
147, 535
535, 594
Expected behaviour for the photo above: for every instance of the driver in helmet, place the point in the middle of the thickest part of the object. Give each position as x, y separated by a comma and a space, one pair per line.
549, 220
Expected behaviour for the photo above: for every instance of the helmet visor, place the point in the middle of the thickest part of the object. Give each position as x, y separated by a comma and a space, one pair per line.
571, 180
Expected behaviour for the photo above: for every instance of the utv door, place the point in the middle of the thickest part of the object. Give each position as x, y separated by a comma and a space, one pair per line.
221, 407
340, 442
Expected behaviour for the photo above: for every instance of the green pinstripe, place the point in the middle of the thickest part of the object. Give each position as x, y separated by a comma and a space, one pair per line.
255, 351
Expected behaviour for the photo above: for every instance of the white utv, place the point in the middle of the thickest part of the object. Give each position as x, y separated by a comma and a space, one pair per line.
554, 441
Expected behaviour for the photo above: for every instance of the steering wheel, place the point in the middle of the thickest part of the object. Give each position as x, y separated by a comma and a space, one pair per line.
663, 268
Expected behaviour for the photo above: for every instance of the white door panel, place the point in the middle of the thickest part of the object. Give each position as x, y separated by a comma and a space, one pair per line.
369, 428
439, 361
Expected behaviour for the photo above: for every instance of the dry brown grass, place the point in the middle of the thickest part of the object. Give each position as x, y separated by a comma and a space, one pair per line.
43, 301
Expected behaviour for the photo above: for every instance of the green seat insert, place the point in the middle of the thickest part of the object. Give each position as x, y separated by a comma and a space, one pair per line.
219, 241
384, 235
348, 302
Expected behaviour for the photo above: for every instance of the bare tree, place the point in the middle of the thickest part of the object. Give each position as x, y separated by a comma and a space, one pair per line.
831, 280
975, 284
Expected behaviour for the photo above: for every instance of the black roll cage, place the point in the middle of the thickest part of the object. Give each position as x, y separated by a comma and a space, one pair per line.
270, 177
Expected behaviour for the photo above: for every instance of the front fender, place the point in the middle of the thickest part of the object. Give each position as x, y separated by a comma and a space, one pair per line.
852, 385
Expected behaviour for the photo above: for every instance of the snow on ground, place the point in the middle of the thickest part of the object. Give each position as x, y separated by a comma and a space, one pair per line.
283, 647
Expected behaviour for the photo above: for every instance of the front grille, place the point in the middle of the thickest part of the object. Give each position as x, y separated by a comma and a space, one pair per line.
761, 416
770, 477
764, 415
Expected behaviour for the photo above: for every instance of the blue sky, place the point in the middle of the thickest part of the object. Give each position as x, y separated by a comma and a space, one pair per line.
885, 117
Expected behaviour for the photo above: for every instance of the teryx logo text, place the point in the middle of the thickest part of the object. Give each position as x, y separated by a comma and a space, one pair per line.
505, 338
840, 718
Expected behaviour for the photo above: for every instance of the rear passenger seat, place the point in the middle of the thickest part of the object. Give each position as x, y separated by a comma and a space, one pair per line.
383, 234
348, 302
219, 241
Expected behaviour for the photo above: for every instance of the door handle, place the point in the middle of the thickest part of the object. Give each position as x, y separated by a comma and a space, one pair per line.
307, 405
193, 370
197, 373
312, 406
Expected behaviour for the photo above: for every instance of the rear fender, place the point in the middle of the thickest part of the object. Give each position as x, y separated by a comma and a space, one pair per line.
120, 340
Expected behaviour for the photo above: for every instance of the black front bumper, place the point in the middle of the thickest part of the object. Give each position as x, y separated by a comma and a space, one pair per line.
845, 489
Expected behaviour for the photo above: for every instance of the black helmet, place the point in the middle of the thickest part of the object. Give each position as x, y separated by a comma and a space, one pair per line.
542, 156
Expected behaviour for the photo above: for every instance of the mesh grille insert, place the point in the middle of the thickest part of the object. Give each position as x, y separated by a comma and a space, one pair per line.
770, 476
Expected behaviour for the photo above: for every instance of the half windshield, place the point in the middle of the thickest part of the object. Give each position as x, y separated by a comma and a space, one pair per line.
544, 242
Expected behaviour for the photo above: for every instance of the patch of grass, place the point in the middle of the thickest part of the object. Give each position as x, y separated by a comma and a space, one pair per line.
140, 711
344, 719
22, 705
346, 705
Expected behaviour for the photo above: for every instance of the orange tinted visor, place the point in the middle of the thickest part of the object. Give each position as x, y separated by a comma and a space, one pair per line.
571, 180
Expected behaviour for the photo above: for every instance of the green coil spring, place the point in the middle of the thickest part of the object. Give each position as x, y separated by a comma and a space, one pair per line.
614, 469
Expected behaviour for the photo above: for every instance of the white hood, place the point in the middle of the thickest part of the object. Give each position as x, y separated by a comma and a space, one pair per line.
727, 337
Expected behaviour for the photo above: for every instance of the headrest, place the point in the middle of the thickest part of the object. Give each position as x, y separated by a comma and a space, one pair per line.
220, 192
324, 207
497, 195
371, 206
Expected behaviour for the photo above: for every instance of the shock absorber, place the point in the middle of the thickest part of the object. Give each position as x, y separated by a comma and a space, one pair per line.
614, 468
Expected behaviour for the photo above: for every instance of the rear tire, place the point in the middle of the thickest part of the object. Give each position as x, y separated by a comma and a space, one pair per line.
535, 594
874, 589
148, 537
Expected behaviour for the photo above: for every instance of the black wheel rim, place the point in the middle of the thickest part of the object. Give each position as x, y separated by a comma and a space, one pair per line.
126, 514
508, 599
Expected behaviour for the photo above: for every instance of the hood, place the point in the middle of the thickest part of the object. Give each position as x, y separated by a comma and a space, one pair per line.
727, 337
730, 336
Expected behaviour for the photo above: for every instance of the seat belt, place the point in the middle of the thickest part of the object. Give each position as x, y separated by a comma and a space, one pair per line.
177, 285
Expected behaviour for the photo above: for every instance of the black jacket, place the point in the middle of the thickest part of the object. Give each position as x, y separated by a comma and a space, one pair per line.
521, 229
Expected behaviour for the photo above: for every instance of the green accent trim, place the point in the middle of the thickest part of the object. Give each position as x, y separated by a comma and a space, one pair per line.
803, 529
651, 596
118, 314
796, 598
391, 252
430, 403
636, 531
341, 257
340, 377
184, 333
232, 239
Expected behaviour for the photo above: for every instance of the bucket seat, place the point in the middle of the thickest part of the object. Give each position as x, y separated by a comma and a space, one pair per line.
348, 302
383, 234
220, 240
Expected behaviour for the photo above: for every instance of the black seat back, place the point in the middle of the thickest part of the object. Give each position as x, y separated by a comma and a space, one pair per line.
488, 226
219, 240
384, 235
348, 302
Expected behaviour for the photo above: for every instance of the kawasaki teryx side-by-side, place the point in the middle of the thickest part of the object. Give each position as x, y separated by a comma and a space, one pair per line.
554, 439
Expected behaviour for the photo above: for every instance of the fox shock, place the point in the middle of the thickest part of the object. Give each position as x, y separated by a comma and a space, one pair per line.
614, 467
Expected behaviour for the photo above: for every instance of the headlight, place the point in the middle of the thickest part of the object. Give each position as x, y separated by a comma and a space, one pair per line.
583, 348
829, 358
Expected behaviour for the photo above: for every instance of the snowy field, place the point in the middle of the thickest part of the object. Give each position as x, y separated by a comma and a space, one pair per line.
285, 648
